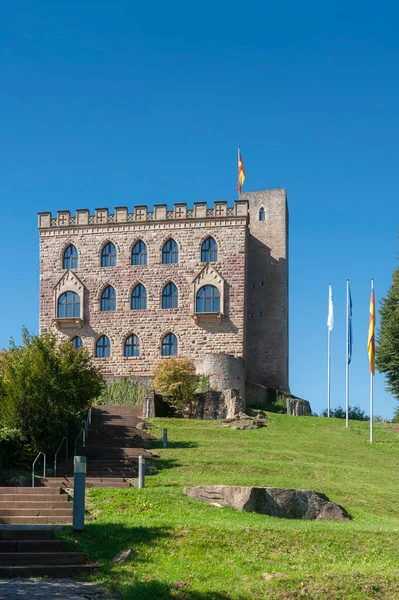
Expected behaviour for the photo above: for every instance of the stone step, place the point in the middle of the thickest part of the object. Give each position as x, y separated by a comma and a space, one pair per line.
26, 490
34, 520
36, 512
42, 498
18, 534
53, 505
25, 571
33, 546
42, 558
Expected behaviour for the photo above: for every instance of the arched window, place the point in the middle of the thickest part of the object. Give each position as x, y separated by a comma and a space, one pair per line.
169, 345
68, 306
170, 253
209, 250
262, 214
77, 341
170, 296
208, 300
132, 346
108, 255
108, 299
139, 253
139, 297
71, 257
103, 347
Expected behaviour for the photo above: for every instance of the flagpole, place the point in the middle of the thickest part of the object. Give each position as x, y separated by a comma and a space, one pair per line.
238, 164
328, 372
347, 355
330, 325
372, 380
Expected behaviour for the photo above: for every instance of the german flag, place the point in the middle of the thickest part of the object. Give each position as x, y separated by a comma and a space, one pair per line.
241, 173
371, 338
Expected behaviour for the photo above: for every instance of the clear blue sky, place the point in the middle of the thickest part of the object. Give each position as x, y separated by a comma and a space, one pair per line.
107, 104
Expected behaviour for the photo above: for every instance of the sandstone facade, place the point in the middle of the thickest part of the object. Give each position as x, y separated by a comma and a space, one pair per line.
251, 324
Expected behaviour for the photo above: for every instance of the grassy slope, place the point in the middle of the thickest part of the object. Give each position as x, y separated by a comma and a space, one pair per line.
189, 550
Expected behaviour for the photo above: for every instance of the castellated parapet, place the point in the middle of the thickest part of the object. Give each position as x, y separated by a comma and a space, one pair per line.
122, 308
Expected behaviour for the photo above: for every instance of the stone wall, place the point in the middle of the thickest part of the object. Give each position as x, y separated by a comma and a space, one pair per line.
196, 339
225, 372
207, 406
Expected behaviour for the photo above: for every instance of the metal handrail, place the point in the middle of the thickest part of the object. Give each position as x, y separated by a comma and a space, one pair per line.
33, 467
84, 431
64, 439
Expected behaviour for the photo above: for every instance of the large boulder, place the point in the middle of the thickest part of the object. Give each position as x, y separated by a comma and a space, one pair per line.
275, 502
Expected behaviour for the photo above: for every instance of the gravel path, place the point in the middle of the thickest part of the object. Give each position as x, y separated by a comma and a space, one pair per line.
50, 589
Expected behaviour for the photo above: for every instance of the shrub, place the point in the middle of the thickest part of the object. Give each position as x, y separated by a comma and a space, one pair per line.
46, 389
177, 380
13, 451
122, 392
355, 413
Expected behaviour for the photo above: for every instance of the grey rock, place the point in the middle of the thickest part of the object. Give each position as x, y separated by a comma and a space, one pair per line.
275, 502
122, 557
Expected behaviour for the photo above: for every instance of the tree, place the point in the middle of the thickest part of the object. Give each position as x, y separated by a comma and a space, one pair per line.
387, 351
46, 387
177, 380
355, 413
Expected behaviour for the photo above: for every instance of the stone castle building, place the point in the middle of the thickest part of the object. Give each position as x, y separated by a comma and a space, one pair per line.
208, 283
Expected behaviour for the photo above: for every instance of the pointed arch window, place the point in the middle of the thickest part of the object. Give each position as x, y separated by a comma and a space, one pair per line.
169, 345
108, 299
108, 255
139, 298
68, 306
71, 258
103, 347
170, 296
170, 253
139, 253
77, 341
209, 250
262, 214
208, 300
132, 346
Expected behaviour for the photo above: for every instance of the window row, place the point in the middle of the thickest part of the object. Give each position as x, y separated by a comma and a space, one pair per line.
170, 254
131, 346
207, 300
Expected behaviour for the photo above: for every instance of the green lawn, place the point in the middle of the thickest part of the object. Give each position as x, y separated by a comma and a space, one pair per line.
191, 551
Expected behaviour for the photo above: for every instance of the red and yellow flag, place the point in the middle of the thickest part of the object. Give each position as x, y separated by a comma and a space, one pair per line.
241, 173
371, 340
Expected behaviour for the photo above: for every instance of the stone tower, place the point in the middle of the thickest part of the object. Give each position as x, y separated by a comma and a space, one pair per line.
266, 341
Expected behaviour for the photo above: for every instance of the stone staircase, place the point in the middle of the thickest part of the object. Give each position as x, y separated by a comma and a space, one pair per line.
33, 553
112, 450
24, 505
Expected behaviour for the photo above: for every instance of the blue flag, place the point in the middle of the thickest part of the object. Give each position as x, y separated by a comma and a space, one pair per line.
349, 326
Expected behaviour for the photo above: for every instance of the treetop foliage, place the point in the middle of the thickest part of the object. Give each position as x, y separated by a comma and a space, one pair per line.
46, 387
387, 350
177, 380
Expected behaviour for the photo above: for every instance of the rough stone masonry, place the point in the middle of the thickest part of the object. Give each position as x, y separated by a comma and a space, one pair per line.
242, 335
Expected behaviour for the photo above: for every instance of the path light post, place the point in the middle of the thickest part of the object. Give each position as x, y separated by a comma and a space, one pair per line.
141, 471
79, 485
165, 438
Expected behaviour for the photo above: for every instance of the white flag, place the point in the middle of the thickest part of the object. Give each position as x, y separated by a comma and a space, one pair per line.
330, 320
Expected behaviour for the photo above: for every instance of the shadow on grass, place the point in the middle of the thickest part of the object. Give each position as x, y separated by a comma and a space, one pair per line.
159, 444
103, 541
156, 590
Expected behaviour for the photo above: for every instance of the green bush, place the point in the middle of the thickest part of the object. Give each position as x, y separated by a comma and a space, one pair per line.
13, 449
46, 389
122, 392
355, 413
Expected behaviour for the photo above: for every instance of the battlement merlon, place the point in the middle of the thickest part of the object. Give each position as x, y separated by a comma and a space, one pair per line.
141, 214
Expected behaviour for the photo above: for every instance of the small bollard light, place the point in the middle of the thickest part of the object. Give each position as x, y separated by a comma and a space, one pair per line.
79, 485
165, 438
141, 471
147, 408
